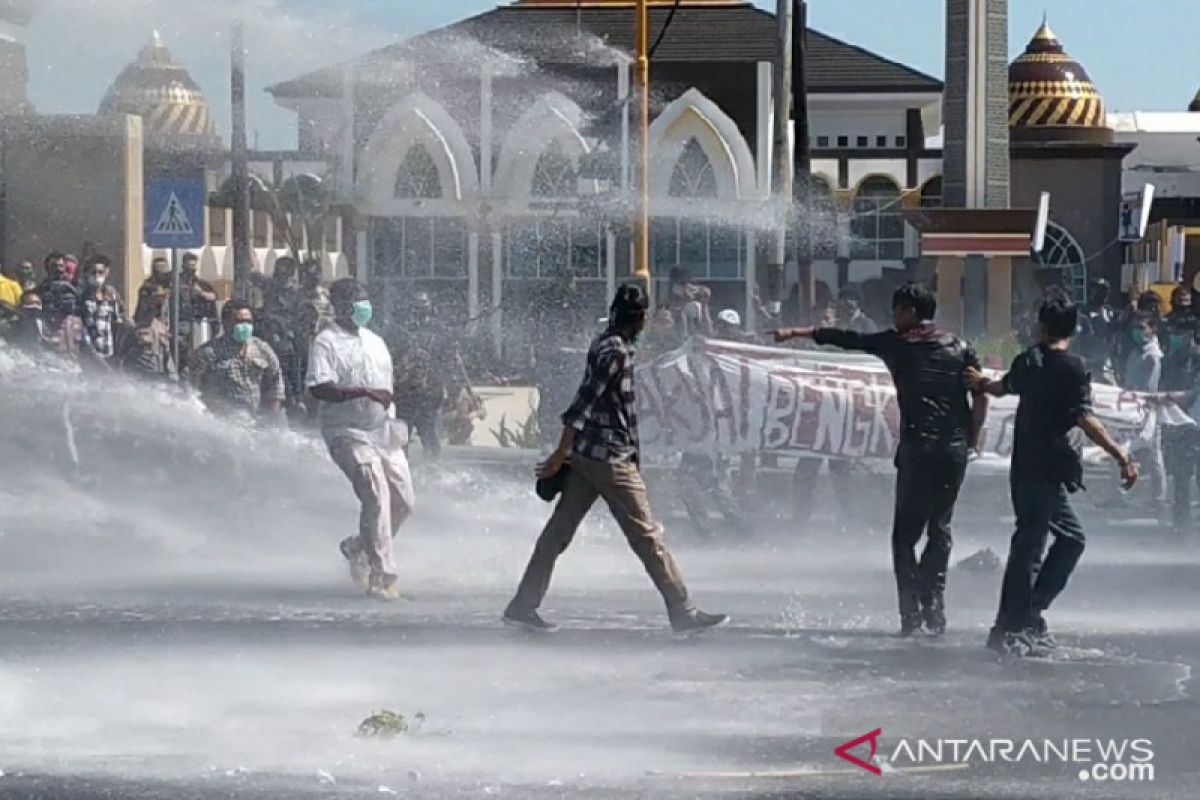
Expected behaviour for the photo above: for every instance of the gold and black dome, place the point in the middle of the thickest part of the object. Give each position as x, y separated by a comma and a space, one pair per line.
1050, 96
1195, 105
174, 111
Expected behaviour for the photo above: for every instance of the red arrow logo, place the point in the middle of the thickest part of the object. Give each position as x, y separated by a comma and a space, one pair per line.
843, 751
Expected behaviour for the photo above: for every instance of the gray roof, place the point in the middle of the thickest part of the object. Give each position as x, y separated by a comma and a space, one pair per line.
699, 35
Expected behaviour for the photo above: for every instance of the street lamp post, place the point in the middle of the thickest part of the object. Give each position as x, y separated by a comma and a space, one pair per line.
641, 267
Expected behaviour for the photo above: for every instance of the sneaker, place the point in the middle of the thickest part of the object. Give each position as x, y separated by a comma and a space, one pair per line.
1009, 643
527, 620
1039, 634
696, 621
933, 614
383, 587
360, 571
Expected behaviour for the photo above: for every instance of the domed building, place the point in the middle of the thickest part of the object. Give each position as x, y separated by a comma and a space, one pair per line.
1195, 104
175, 114
1061, 142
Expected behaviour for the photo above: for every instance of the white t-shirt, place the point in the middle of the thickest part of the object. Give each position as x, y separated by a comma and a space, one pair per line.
350, 361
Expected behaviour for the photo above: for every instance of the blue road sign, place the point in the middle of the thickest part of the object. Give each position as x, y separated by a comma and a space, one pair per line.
175, 213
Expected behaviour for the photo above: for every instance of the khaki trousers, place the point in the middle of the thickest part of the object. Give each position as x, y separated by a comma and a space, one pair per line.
624, 492
383, 484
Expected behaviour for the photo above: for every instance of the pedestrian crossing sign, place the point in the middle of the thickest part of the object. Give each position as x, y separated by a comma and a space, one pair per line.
175, 213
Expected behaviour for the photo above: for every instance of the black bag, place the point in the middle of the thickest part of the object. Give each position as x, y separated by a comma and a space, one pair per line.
550, 488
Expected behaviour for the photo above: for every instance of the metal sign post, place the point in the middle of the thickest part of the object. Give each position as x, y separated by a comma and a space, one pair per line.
175, 308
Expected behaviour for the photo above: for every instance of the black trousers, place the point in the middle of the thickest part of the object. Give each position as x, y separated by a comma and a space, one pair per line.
1181, 451
1034, 577
926, 491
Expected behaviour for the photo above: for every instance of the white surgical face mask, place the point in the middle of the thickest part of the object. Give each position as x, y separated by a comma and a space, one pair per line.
95, 280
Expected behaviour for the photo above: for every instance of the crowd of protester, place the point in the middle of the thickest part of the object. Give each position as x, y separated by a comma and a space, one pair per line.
245, 357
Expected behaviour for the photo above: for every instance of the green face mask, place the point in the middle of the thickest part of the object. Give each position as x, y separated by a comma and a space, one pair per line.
361, 315
1139, 336
243, 331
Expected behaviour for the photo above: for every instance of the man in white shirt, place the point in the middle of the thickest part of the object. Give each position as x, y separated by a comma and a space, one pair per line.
350, 373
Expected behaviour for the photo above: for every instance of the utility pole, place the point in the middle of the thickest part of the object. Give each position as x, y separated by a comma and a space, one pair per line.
641, 267
803, 171
240, 167
784, 171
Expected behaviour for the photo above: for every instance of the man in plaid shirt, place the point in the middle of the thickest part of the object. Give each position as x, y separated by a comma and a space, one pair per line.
100, 309
238, 372
600, 442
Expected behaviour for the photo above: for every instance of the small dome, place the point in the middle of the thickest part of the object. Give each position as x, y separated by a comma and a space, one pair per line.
1050, 95
174, 111
1195, 105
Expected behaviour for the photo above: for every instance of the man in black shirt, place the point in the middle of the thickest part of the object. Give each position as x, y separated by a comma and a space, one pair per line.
940, 422
1056, 396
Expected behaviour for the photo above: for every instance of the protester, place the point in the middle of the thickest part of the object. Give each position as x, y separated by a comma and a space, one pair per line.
59, 296
236, 373
198, 305
29, 332
702, 479
430, 370
350, 373
1143, 373
154, 295
101, 311
600, 445
1177, 336
850, 316
10, 290
1094, 341
940, 422
1055, 396
145, 352
27, 276
689, 303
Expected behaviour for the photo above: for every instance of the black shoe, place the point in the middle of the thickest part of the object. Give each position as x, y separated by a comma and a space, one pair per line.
910, 625
695, 621
528, 620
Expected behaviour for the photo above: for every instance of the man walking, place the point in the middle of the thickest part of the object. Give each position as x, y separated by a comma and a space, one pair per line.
600, 443
1056, 396
939, 424
237, 373
350, 373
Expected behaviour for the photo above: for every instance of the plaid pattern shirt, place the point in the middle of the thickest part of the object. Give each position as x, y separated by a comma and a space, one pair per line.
229, 380
101, 310
604, 412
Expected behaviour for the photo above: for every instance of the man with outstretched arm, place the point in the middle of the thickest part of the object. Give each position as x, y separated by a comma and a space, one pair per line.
350, 373
940, 422
599, 446
1056, 396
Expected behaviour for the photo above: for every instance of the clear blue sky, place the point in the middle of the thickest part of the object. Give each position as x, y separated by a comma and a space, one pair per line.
1141, 55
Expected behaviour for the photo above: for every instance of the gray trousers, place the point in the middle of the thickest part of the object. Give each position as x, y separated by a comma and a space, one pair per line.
624, 492
383, 484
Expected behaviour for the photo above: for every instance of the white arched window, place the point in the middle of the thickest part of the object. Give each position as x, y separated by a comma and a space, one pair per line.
822, 219
877, 224
693, 176
417, 176
555, 175
1062, 251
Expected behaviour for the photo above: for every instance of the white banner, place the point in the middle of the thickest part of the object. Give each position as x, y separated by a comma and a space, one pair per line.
723, 398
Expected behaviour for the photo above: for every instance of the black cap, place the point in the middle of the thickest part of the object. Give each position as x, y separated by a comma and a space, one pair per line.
631, 301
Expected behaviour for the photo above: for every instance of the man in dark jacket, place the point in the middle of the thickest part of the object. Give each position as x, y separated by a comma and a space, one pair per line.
1056, 397
939, 423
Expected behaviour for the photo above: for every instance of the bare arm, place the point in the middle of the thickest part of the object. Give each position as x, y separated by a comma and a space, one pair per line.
979, 410
1095, 430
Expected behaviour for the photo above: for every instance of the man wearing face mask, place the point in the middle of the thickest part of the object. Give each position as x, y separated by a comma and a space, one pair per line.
599, 445
27, 276
154, 296
236, 373
100, 310
59, 296
350, 374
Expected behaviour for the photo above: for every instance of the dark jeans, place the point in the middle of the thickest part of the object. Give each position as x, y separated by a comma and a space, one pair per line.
701, 487
1181, 450
926, 491
427, 423
1034, 577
